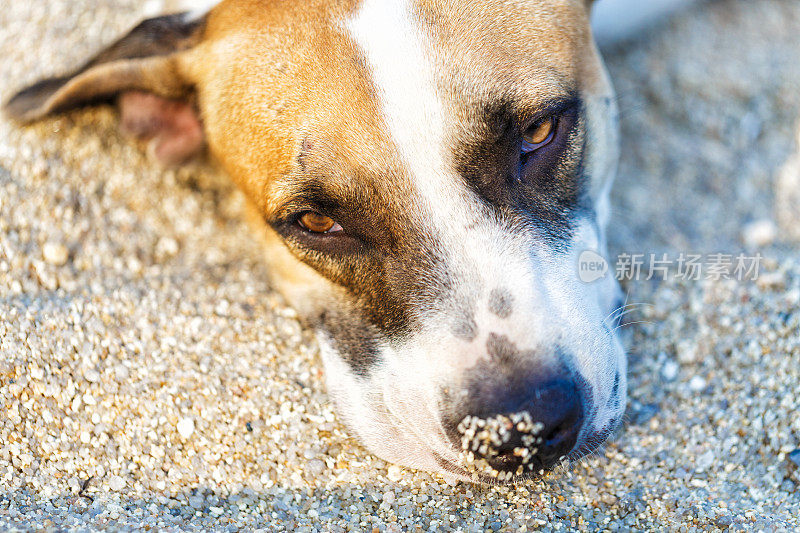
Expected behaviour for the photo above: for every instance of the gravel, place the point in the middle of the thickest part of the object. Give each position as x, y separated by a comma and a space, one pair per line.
150, 378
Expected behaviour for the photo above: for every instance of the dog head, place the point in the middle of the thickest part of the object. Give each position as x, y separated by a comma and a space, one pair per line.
429, 173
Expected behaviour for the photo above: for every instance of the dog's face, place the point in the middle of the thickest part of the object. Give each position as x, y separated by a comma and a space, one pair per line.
429, 173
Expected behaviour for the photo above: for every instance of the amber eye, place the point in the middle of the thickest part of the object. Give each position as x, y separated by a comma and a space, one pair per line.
539, 134
318, 223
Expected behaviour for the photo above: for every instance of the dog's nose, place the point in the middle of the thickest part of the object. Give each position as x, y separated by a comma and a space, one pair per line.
526, 428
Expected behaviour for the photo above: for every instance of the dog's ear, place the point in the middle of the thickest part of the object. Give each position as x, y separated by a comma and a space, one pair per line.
146, 70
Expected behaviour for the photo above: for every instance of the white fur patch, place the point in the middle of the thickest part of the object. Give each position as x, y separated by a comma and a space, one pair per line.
403, 73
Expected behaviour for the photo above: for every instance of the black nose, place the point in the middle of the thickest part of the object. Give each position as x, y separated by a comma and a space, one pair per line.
525, 426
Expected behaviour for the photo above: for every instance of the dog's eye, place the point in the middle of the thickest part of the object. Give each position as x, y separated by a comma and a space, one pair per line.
538, 134
318, 223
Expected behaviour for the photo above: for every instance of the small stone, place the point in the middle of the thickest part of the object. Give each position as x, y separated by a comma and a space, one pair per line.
80, 505
394, 473
608, 499
759, 233
316, 467
166, 247
196, 502
632, 502
723, 521
670, 371
116, 483
92, 375
388, 497
215, 511
185, 427
687, 353
705, 461
121, 372
697, 384
36, 372
794, 457
55, 253
641, 414
771, 280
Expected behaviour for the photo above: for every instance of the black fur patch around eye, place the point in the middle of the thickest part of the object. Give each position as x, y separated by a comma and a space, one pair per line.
540, 189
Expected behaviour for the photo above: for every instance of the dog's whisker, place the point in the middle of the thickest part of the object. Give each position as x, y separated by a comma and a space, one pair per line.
624, 310
631, 324
624, 305
619, 316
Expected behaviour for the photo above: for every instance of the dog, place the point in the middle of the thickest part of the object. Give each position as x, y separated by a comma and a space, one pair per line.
425, 175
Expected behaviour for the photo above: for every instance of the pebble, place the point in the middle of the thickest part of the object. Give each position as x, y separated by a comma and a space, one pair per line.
640, 414
121, 373
166, 248
196, 502
795, 457
697, 383
316, 467
608, 499
394, 473
55, 253
705, 461
759, 233
670, 371
723, 521
116, 483
185, 427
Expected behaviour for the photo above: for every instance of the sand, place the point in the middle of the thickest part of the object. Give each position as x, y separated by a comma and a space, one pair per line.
150, 377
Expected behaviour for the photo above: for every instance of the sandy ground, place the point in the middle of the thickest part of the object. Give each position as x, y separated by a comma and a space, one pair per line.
149, 377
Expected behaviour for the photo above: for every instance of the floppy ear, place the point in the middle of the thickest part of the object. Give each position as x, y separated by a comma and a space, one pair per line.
145, 69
